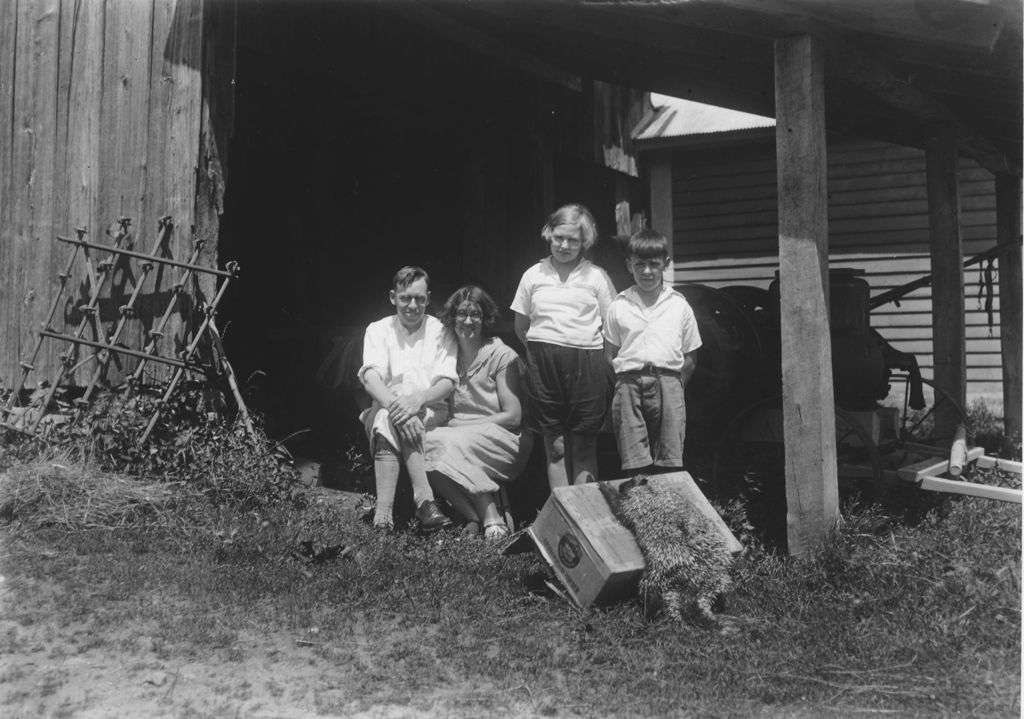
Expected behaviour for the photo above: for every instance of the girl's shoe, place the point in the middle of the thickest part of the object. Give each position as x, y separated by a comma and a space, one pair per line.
496, 532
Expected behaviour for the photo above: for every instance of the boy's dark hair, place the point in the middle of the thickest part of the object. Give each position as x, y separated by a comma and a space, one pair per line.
647, 244
471, 293
407, 275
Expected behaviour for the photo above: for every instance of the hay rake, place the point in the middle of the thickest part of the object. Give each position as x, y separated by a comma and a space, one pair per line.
28, 418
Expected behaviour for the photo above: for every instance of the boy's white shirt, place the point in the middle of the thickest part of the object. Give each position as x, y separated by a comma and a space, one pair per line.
570, 313
661, 334
409, 362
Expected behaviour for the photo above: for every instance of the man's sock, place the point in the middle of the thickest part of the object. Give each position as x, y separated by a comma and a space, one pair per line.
385, 472
421, 490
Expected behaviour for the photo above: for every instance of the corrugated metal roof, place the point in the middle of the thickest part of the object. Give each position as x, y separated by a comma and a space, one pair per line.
674, 117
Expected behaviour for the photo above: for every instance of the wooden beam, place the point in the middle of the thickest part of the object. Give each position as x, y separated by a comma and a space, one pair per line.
660, 180
856, 68
846, 60
999, 464
808, 407
955, 486
976, 25
1008, 233
949, 338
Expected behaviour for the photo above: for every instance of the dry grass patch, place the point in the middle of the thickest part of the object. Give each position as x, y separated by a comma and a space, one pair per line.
47, 492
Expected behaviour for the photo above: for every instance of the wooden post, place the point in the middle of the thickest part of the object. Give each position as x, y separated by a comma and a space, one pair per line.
808, 407
949, 339
1008, 229
661, 199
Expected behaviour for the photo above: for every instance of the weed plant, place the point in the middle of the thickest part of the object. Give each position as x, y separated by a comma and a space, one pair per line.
193, 443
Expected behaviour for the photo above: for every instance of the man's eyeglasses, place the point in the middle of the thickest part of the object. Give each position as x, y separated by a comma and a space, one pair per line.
461, 315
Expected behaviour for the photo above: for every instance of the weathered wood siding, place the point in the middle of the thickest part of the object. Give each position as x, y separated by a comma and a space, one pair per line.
101, 106
726, 233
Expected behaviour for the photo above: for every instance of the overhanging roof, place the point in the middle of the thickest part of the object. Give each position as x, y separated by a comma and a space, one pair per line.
894, 66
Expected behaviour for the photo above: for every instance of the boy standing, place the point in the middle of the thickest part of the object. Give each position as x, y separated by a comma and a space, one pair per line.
408, 370
650, 338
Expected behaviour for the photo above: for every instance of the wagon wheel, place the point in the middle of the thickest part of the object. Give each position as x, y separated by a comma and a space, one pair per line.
918, 426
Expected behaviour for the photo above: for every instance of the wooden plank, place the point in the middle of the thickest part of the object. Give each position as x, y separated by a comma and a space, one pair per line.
1003, 465
660, 179
77, 170
35, 121
948, 304
808, 407
219, 25
971, 489
934, 466
1008, 211
9, 371
173, 146
124, 154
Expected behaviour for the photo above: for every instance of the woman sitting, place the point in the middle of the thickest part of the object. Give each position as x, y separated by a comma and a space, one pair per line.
484, 442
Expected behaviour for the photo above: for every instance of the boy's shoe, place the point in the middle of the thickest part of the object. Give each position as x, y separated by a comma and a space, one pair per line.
431, 517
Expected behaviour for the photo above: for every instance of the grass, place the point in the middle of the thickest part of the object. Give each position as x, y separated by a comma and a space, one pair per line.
888, 619
217, 557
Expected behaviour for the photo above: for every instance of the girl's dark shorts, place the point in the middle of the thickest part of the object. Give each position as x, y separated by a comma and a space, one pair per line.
569, 388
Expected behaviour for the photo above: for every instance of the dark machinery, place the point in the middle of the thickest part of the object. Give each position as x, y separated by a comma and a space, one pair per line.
885, 410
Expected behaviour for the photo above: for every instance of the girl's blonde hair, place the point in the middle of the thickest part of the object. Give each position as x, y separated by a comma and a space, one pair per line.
572, 214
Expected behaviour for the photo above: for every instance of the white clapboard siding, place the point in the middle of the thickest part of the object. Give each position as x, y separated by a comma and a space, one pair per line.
725, 228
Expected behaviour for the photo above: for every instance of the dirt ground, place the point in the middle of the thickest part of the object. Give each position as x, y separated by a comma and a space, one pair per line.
58, 669
55, 673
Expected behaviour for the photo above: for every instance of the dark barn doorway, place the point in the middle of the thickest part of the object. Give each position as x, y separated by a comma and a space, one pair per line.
362, 143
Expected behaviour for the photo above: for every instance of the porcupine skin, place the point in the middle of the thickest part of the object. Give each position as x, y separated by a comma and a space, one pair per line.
687, 560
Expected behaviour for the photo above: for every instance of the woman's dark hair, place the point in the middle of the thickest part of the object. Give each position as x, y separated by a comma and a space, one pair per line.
471, 293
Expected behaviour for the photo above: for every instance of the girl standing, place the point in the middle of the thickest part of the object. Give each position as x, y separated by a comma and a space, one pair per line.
560, 306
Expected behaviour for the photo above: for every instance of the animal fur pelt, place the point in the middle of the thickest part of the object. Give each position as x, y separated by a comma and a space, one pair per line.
687, 560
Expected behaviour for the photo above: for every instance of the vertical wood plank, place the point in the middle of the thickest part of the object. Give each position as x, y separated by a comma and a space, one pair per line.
219, 28
808, 407
175, 110
949, 337
1008, 228
76, 166
33, 148
661, 200
124, 144
9, 15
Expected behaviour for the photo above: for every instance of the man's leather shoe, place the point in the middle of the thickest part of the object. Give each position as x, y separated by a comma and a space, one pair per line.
431, 517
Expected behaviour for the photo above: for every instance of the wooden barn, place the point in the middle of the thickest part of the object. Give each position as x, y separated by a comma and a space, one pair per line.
320, 145
718, 166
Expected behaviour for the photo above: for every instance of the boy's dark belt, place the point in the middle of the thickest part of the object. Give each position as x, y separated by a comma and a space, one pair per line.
649, 370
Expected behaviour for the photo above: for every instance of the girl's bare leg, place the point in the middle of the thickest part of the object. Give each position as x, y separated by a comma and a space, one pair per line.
583, 458
558, 471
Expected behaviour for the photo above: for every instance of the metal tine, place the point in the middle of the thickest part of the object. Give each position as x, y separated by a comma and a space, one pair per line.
96, 287
155, 334
211, 310
28, 367
164, 227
